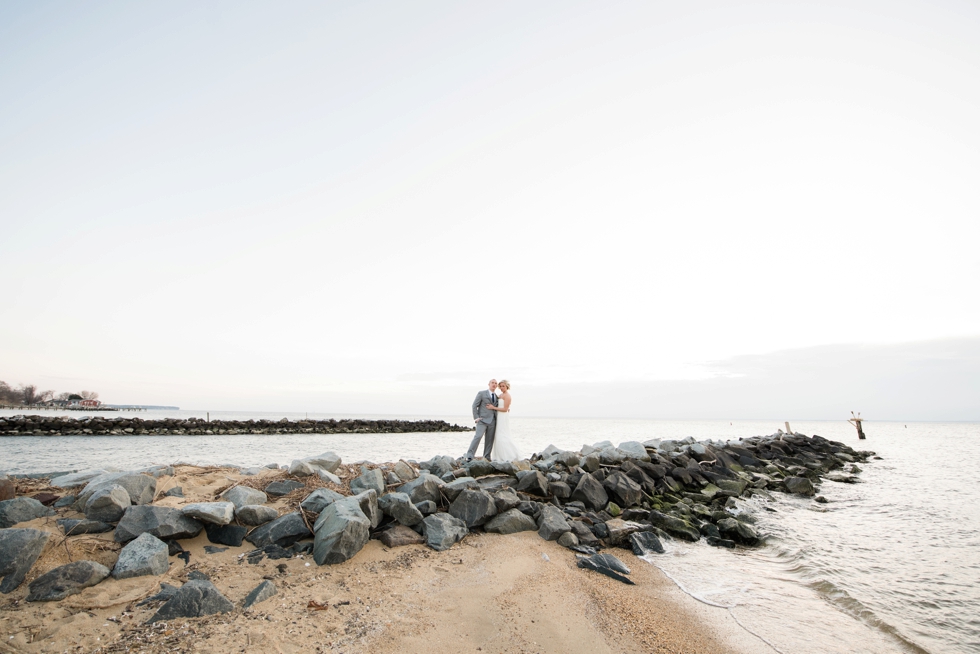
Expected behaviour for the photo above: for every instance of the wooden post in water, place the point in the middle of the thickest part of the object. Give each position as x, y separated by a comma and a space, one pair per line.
856, 421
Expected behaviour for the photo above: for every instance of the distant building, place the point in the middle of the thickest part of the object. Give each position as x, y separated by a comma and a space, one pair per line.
85, 403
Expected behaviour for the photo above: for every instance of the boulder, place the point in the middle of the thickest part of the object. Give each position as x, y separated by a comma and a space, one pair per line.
506, 499
479, 468
320, 499
399, 506
66, 580
426, 507
626, 491
442, 530
300, 468
231, 535
454, 488
608, 565
591, 493
254, 515
367, 501
422, 488
7, 490
75, 527
404, 471
739, 531
533, 483
244, 496
341, 531
215, 513
193, 600
176, 491
161, 521
552, 523
620, 530
146, 555
634, 450
327, 461
510, 522
560, 489
675, 526
140, 488
799, 486
473, 507
19, 549
645, 542
67, 500
283, 531
439, 465
591, 463
260, 593
21, 509
76, 479
400, 535
283, 487
107, 504
368, 480
568, 539
569, 459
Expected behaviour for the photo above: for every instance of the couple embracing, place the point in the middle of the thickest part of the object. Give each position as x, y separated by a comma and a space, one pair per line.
491, 411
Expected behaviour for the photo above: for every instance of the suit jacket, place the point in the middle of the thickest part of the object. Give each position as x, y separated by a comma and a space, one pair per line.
480, 410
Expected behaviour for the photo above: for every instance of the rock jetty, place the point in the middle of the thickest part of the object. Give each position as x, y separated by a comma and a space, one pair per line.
634, 496
123, 426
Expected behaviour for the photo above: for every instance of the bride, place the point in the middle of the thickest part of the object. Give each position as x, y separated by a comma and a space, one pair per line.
503, 447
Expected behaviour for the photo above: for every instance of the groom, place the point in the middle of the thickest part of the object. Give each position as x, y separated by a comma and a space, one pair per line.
486, 421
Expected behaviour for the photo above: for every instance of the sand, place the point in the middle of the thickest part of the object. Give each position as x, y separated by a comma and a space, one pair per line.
489, 593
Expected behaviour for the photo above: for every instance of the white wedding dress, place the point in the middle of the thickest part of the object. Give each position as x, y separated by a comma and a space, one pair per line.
503, 446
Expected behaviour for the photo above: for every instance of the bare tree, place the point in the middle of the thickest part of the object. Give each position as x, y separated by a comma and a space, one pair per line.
28, 394
7, 394
89, 395
63, 397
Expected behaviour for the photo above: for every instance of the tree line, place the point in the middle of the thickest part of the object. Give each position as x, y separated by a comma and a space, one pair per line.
31, 395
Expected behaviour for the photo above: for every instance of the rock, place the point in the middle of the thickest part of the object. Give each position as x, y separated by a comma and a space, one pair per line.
283, 487
75, 527
799, 486
146, 555
320, 499
368, 479
76, 479
620, 530
439, 465
821, 499
273, 551
7, 490
300, 468
428, 507
591, 463
568, 539
283, 531
231, 535
560, 489
176, 491
510, 468
455, 487
66, 580
583, 533
107, 504
21, 509
675, 526
645, 542
442, 530
47, 499
327, 461
244, 496
510, 522
367, 501
193, 600
533, 483
341, 531
328, 476
400, 535
506, 500
473, 507
399, 506
404, 471
479, 468
260, 593
552, 523
391, 479
591, 493
627, 492
161, 521
739, 532
256, 514
569, 459
19, 549
608, 565
634, 450
422, 488
67, 500
139, 487
215, 513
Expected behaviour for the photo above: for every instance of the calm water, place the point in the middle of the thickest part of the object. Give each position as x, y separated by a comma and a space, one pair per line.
889, 565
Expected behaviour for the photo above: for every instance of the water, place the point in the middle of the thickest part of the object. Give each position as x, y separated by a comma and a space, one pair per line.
889, 565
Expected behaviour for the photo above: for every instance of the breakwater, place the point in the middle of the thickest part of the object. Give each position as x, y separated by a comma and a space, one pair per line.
36, 425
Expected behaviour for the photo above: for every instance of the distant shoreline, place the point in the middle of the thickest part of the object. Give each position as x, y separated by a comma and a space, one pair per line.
36, 425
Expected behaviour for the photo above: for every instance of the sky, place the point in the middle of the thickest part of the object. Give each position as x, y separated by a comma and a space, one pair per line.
672, 210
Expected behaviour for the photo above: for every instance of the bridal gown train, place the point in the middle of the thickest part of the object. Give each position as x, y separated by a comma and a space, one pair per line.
503, 446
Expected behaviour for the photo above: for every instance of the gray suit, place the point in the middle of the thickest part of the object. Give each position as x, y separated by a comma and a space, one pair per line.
487, 425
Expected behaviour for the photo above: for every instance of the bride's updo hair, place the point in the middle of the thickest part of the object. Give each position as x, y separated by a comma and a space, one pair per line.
504, 383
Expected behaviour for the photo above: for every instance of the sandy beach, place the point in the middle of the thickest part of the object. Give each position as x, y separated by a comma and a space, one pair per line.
488, 593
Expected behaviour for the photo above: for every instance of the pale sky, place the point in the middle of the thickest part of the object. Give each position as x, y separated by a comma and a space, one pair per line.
375, 207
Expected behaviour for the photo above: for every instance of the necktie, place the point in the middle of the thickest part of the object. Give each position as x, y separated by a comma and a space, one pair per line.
493, 398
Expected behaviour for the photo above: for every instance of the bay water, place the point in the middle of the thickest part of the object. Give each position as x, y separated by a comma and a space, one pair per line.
891, 564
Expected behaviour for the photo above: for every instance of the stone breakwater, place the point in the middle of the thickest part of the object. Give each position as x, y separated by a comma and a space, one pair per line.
591, 501
123, 426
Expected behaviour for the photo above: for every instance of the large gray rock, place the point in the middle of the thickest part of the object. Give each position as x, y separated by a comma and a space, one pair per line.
107, 504
645, 542
552, 523
799, 486
254, 515
66, 580
479, 468
367, 480
342, 530
675, 526
399, 506
283, 487
624, 490
404, 471
739, 531
442, 530
591, 493
21, 509
161, 521
634, 450
327, 461
620, 530
193, 600
283, 531
146, 555
510, 522
399, 536
19, 549
452, 489
73, 527
533, 483
320, 499
422, 488
215, 513
76, 479
301, 468
473, 507
260, 593
231, 535
439, 465
140, 488
506, 499
244, 496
